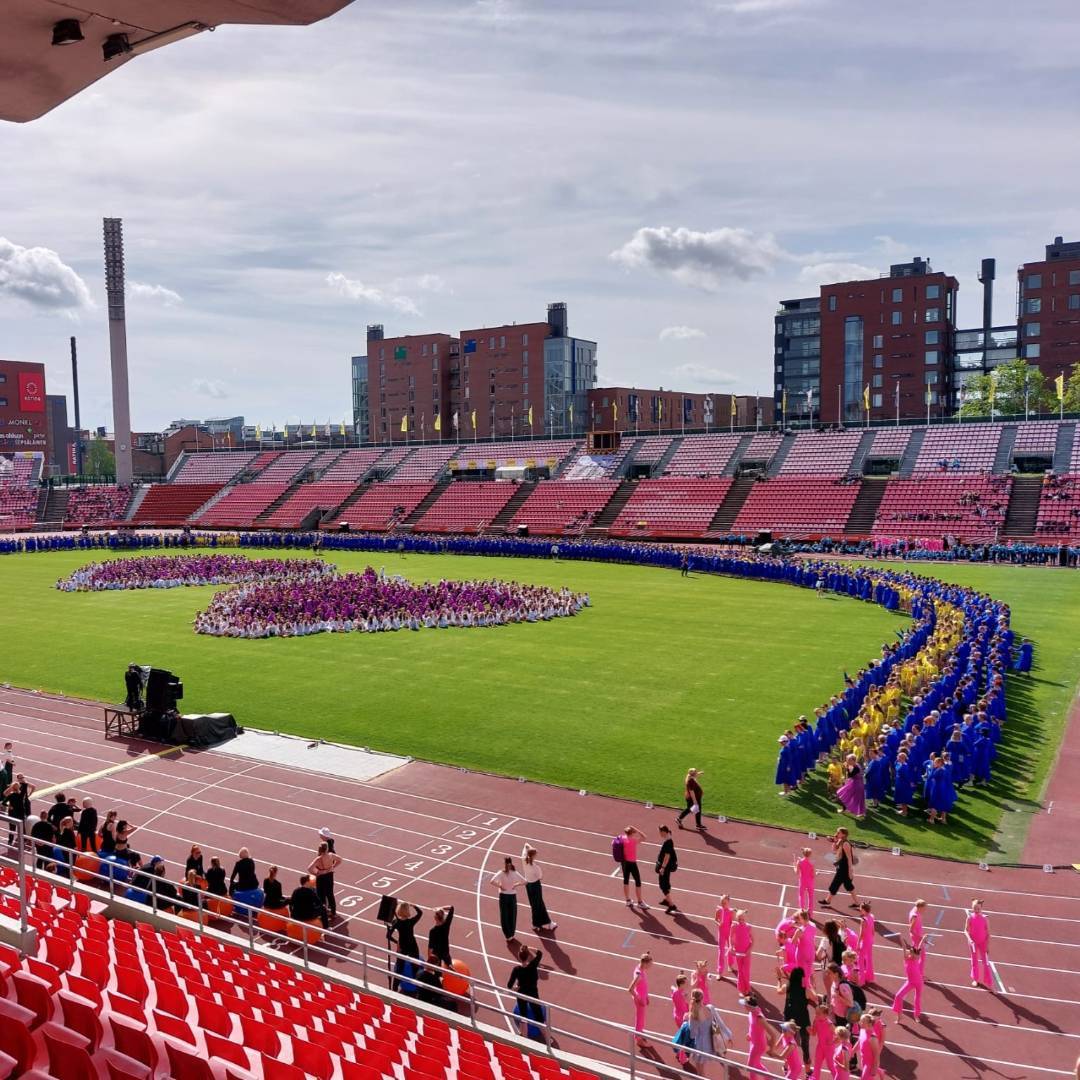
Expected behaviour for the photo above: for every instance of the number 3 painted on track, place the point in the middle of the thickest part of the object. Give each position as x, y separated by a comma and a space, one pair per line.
442, 849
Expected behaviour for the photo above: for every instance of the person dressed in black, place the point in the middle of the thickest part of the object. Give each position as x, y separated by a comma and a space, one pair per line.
243, 877
165, 891
215, 878
430, 980
844, 855
403, 931
693, 794
59, 810
273, 897
17, 804
194, 862
88, 826
133, 688
797, 1004
304, 904
438, 941
667, 862
525, 978
44, 836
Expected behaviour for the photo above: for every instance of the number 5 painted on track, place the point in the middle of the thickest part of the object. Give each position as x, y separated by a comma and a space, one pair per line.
382, 883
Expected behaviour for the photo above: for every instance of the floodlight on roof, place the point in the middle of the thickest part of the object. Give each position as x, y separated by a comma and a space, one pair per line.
120, 44
67, 32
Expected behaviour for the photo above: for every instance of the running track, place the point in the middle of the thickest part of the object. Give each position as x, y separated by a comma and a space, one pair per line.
434, 834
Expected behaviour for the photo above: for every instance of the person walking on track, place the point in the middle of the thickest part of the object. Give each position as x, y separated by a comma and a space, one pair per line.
507, 881
534, 890
913, 983
323, 866
977, 932
804, 872
624, 849
845, 860
692, 793
639, 993
667, 862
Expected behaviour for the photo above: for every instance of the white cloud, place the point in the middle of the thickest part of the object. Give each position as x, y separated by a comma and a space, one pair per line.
894, 249
40, 277
702, 259
701, 376
825, 273
211, 388
138, 290
680, 333
763, 7
350, 289
432, 283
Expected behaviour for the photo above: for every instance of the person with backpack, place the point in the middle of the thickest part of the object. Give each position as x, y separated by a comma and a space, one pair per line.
624, 852
667, 862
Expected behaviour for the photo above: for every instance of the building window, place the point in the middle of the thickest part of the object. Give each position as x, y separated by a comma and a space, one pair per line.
502, 341
932, 337
1032, 305
879, 360
853, 365
524, 339
931, 356
491, 343
897, 318
875, 400
878, 381
832, 303
933, 292
933, 314
879, 341
931, 378
1031, 352
1034, 281
1032, 329
1074, 301
3, 402
423, 349
897, 296
1074, 277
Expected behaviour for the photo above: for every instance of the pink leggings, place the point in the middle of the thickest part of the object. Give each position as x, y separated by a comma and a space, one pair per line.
823, 1054
907, 988
866, 964
639, 1015
806, 897
980, 964
757, 1056
742, 966
723, 954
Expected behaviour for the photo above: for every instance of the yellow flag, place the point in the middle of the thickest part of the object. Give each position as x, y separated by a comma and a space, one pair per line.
928, 394
474, 420
659, 408
438, 422
530, 416
733, 406
404, 423
1059, 384
993, 385
615, 412
341, 430
866, 397
783, 401
258, 432
571, 412
314, 433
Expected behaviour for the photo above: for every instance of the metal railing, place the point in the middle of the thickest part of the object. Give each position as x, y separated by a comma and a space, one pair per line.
605, 1045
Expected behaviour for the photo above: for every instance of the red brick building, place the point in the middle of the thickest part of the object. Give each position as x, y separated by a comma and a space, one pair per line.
892, 337
1048, 313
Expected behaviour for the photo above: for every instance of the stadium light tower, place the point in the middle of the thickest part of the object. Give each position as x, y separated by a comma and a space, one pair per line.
114, 288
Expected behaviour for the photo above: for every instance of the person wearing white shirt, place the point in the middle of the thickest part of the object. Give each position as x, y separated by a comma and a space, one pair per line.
506, 881
534, 890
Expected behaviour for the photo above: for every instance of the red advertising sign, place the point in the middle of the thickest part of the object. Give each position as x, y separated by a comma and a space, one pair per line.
31, 392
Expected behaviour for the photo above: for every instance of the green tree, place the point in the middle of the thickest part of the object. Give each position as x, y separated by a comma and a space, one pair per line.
1014, 380
98, 459
1072, 390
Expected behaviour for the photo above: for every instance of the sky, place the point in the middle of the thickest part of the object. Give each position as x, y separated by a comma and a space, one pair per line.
669, 170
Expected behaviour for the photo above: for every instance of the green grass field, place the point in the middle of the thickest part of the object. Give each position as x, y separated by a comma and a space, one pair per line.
660, 674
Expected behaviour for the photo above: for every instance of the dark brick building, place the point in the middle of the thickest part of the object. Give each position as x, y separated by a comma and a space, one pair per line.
1048, 314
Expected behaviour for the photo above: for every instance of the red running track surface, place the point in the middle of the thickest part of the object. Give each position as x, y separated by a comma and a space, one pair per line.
434, 835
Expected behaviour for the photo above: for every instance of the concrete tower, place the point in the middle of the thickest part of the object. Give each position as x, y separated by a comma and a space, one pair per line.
114, 287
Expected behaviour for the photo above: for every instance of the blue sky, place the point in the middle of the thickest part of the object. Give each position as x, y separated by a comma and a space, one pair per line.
669, 170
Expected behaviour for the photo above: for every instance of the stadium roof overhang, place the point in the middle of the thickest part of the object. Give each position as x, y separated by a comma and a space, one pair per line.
36, 75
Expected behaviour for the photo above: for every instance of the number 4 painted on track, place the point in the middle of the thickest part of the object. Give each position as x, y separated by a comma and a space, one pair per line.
412, 867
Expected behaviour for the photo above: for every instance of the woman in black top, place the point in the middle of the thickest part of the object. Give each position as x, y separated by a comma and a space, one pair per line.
17, 804
215, 878
438, 941
88, 824
797, 1007
834, 943
189, 896
108, 834
693, 795
243, 877
195, 862
273, 897
65, 840
526, 978
403, 930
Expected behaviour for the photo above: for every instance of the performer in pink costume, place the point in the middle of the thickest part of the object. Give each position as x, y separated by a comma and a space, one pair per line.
841, 1059
724, 959
789, 1051
804, 871
701, 980
977, 931
742, 944
639, 992
915, 930
913, 983
757, 1032
865, 947
824, 1040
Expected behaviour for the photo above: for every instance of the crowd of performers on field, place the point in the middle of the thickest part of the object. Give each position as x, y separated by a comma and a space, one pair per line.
925, 719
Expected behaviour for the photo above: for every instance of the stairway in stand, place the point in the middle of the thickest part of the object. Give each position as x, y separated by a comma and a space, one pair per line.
280, 501
332, 517
425, 504
56, 504
728, 510
1023, 510
861, 519
611, 508
503, 518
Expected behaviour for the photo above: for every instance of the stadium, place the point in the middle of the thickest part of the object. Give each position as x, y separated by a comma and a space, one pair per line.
523, 727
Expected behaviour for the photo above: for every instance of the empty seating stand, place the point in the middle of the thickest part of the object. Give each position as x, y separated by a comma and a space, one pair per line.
958, 447
212, 468
671, 506
653, 449
384, 505
96, 505
352, 465
285, 467
18, 505
323, 495
107, 998
467, 506
702, 455
560, 506
821, 453
1036, 439
931, 507
890, 443
172, 504
529, 453
238, 508
425, 463
798, 506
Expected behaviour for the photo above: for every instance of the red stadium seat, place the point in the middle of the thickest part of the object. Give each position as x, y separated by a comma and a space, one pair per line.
15, 1037
80, 1015
134, 1042
33, 993
185, 1064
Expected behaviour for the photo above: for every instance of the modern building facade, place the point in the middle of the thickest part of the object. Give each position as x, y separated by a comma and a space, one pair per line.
1048, 309
888, 342
797, 358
